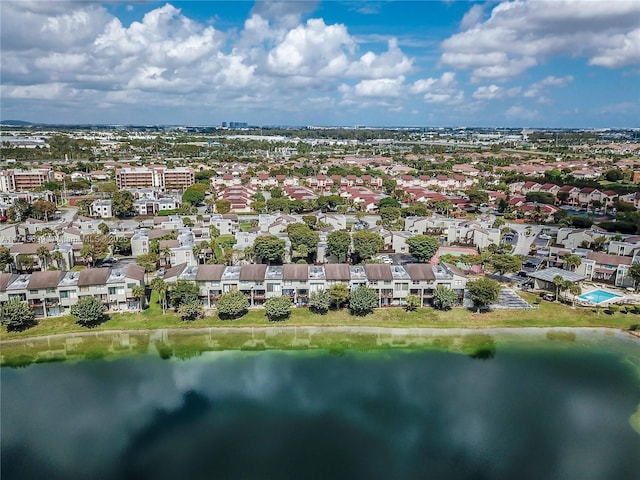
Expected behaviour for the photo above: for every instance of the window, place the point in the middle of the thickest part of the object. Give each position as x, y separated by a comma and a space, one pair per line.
64, 294
458, 283
244, 282
402, 287
273, 287
131, 285
215, 283
33, 292
287, 282
112, 290
387, 282
51, 290
416, 282
84, 289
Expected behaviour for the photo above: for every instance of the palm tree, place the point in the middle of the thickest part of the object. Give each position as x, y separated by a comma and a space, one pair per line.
558, 281
566, 285
57, 257
571, 261
44, 255
575, 290
26, 261
138, 291
86, 253
159, 285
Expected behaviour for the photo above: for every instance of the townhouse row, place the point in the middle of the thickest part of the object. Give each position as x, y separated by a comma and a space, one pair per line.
53, 293
392, 283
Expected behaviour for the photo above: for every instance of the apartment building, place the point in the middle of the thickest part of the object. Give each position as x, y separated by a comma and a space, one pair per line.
16, 180
160, 178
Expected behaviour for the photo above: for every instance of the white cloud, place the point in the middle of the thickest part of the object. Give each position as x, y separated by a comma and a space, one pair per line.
439, 90
488, 92
538, 88
388, 64
520, 34
381, 87
313, 49
472, 17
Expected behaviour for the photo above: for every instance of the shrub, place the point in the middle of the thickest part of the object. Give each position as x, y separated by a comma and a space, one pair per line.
191, 310
412, 303
89, 312
232, 305
362, 301
277, 308
444, 298
319, 302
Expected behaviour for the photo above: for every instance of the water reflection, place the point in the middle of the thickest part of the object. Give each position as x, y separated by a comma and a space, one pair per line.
395, 414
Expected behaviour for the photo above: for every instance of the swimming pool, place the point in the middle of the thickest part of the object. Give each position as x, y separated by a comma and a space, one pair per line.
598, 296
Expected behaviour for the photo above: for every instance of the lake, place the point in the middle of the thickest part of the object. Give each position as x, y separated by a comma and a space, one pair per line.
554, 409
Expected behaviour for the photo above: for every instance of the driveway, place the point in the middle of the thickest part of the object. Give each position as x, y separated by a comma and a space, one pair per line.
523, 244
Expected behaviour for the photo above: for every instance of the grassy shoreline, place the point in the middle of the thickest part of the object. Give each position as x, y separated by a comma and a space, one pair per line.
547, 315
61, 338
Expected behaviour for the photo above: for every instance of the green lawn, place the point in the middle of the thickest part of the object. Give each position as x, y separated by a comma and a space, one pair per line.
548, 315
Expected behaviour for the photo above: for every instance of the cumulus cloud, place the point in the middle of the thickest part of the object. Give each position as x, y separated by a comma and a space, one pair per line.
472, 17
520, 34
72, 51
540, 87
439, 90
381, 87
314, 49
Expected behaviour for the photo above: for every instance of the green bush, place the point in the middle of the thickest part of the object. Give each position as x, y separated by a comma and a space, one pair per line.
278, 309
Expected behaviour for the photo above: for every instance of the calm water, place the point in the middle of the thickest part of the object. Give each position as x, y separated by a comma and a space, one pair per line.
552, 413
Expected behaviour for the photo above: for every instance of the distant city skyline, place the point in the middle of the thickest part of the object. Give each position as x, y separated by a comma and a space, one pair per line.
541, 63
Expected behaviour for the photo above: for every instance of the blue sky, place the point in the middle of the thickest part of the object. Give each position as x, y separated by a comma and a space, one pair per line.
541, 63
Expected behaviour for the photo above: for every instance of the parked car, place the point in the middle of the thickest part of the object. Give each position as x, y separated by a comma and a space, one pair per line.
161, 271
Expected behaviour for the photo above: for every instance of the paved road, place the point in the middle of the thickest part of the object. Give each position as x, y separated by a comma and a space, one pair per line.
524, 242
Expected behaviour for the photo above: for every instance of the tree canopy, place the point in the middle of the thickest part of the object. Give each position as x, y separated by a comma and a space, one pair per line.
338, 244
269, 248
423, 247
339, 294
183, 291
483, 292
366, 244
505, 263
122, 203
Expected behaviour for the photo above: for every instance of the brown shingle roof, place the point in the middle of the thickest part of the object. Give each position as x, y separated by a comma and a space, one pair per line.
607, 259
136, 272
253, 272
420, 271
40, 280
378, 272
175, 270
209, 272
6, 279
29, 248
337, 271
293, 271
93, 276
